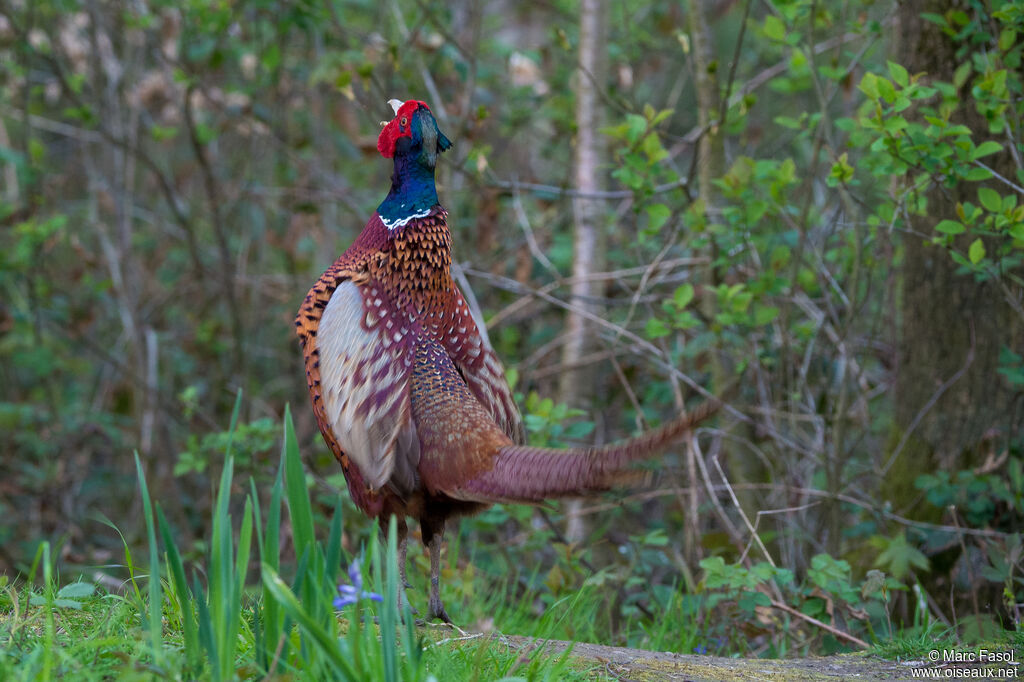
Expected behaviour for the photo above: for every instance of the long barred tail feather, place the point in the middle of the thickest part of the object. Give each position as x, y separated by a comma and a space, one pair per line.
530, 474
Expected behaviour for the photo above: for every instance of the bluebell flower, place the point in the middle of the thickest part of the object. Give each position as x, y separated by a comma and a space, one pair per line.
350, 594
700, 649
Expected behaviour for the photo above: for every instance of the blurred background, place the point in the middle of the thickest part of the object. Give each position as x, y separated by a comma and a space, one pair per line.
812, 207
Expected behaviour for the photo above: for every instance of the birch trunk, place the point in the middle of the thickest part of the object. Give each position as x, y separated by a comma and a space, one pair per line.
588, 243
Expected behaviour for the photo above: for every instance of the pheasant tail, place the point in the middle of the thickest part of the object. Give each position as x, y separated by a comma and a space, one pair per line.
530, 474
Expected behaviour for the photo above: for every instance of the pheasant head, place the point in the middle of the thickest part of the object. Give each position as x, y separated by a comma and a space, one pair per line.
413, 132
413, 140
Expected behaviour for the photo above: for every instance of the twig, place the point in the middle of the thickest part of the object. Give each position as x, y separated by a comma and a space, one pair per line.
214, 198
743, 514
724, 107
970, 572
730, 527
809, 492
520, 303
436, 101
560, 537
448, 640
1017, 188
824, 626
57, 127
531, 239
592, 194
277, 657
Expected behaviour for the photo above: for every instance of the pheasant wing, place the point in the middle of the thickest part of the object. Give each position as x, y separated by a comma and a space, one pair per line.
364, 382
474, 357
458, 437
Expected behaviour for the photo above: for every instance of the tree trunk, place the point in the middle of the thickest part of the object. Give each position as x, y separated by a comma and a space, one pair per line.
710, 164
948, 396
588, 216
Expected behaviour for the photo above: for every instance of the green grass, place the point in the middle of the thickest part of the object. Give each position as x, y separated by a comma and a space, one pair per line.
103, 639
226, 621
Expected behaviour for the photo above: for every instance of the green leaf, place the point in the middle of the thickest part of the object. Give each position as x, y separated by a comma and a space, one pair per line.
990, 199
886, 89
636, 125
977, 175
763, 314
869, 85
789, 122
774, 28
155, 597
949, 227
656, 329
841, 172
899, 74
162, 133
77, 591
37, 600
657, 215
976, 252
271, 57
985, 148
899, 556
1007, 39
682, 296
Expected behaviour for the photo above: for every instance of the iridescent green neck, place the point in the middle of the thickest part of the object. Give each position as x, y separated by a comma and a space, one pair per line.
413, 193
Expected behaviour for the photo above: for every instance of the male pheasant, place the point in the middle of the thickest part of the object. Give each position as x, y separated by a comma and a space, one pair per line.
408, 393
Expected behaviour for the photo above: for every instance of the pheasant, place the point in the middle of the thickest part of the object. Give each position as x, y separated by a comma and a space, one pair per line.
408, 393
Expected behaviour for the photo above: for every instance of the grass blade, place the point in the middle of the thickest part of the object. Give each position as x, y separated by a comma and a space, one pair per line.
155, 599
221, 571
206, 631
273, 627
325, 642
388, 618
180, 585
299, 508
333, 558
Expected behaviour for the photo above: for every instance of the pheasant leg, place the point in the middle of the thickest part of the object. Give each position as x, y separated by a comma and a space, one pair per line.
403, 532
436, 536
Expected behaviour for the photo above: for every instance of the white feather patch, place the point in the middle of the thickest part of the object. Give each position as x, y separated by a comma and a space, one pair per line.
396, 104
365, 387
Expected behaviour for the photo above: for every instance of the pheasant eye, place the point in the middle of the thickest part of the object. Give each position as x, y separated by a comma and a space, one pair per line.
404, 121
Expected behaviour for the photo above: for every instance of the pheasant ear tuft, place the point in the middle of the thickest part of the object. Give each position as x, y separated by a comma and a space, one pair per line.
443, 143
396, 104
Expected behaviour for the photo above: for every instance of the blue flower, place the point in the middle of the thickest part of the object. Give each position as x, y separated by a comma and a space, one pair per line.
350, 594
700, 649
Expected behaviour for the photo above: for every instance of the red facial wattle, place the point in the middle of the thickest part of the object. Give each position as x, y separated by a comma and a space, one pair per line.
400, 126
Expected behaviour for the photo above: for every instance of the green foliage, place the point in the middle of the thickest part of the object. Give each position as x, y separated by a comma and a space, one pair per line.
925, 145
985, 499
545, 422
897, 556
739, 583
249, 442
